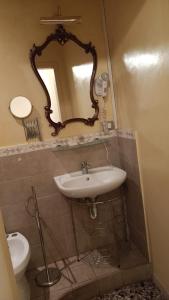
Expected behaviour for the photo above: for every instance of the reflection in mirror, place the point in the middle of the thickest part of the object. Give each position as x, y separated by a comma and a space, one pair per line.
66, 69
66, 72
49, 78
20, 107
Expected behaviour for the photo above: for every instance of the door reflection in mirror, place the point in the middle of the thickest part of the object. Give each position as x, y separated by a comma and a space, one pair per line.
48, 77
81, 77
83, 71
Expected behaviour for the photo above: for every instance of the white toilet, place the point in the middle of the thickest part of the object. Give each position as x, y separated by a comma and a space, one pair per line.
20, 255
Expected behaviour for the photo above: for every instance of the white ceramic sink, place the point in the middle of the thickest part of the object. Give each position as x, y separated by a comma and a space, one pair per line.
98, 181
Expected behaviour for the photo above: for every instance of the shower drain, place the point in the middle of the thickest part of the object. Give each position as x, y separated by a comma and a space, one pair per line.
100, 258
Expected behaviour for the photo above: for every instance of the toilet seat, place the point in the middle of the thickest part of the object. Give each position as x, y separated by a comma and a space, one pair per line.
20, 254
19, 250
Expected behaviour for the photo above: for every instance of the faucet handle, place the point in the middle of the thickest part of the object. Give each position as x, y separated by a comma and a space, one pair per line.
88, 165
84, 164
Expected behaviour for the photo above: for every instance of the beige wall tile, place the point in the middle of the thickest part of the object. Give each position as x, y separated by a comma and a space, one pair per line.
132, 191
15, 191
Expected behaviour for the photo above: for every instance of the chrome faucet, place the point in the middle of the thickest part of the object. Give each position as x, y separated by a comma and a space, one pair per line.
84, 167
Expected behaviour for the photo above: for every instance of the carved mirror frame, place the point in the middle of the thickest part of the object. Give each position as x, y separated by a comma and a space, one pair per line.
62, 36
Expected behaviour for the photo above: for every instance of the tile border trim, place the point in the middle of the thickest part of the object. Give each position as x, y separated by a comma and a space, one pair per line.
58, 144
126, 133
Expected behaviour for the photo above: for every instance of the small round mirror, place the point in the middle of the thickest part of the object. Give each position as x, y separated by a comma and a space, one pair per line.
20, 107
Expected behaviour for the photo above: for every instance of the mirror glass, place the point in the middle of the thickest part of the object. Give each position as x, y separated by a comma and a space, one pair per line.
66, 71
20, 107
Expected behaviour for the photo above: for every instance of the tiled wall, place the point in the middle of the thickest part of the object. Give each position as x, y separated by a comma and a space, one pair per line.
19, 172
132, 190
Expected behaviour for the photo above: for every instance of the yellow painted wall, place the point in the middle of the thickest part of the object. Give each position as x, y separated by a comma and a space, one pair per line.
7, 280
139, 42
19, 29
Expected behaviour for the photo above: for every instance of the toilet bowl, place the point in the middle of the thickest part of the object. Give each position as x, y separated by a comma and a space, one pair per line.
20, 255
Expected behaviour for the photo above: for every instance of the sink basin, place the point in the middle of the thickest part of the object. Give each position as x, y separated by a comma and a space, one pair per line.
98, 181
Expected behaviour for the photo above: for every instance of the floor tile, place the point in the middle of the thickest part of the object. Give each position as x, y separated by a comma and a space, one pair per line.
131, 258
84, 279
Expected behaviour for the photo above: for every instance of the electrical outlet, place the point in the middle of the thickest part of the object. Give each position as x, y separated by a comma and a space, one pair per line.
110, 125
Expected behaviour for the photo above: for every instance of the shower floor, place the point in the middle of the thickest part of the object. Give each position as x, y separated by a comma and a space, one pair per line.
96, 278
144, 290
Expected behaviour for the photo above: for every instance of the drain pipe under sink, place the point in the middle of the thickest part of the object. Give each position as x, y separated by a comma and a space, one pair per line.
93, 209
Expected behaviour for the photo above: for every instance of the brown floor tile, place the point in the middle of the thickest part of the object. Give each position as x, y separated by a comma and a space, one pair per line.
132, 258
138, 273
82, 273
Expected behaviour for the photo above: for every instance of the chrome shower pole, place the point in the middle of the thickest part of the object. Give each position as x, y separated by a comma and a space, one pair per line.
48, 276
37, 216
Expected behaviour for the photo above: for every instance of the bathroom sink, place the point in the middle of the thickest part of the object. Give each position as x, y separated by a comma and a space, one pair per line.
98, 181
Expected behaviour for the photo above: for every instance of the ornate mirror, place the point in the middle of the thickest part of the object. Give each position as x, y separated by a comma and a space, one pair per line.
66, 69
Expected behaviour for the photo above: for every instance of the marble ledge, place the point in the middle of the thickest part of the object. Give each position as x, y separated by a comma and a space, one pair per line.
66, 143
